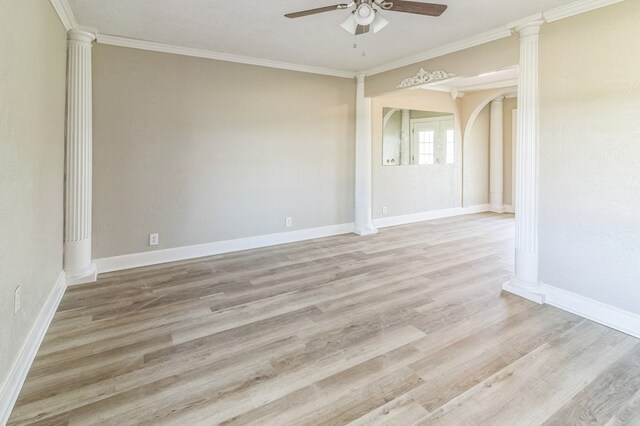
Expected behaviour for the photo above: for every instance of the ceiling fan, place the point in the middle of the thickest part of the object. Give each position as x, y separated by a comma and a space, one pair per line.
365, 16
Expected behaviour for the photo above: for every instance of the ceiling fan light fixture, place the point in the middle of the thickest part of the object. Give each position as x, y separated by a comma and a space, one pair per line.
379, 22
364, 14
350, 25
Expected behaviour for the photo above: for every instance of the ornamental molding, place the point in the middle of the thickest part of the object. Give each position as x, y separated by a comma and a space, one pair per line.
424, 77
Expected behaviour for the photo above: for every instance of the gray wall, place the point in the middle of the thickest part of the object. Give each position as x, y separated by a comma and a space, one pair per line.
32, 101
201, 151
590, 155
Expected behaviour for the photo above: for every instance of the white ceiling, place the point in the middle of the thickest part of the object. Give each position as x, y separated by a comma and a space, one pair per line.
257, 28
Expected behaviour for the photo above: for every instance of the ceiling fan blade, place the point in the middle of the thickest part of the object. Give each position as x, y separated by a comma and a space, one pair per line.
362, 29
315, 11
429, 9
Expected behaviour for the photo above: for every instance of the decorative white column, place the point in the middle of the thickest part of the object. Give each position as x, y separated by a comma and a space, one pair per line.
496, 160
77, 212
525, 281
405, 150
363, 223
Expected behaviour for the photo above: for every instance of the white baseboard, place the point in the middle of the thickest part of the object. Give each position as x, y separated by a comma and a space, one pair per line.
509, 209
136, 260
384, 222
599, 312
22, 363
521, 289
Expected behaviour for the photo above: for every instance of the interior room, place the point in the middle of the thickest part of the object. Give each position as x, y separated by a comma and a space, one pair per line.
378, 212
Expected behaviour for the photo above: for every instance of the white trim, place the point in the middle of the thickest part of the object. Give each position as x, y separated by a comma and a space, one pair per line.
385, 222
506, 77
599, 312
517, 25
576, 8
524, 289
136, 260
509, 208
514, 140
552, 15
512, 82
65, 13
89, 276
209, 54
67, 17
465, 43
18, 372
446, 116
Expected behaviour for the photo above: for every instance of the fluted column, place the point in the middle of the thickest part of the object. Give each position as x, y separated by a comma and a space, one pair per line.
78, 265
405, 150
496, 160
363, 223
525, 281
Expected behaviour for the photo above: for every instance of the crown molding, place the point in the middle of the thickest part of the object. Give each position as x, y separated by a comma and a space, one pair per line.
227, 57
65, 13
516, 25
576, 8
562, 12
465, 43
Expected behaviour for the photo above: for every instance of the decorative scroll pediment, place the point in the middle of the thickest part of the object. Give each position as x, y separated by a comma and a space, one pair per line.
425, 76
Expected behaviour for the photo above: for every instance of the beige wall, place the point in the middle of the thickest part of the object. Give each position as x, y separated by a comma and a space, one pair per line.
590, 155
201, 151
509, 105
475, 113
476, 161
487, 57
32, 101
414, 189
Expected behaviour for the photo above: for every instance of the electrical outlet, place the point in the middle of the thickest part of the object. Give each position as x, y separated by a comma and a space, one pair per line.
384, 209
288, 222
16, 299
153, 239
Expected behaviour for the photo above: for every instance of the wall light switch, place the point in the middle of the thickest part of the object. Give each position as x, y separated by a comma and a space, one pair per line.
384, 209
288, 223
153, 239
16, 299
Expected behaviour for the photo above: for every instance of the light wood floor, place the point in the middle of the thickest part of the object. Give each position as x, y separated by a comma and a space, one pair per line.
407, 326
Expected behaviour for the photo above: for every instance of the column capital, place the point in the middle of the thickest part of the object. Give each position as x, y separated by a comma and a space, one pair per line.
498, 99
81, 34
531, 28
360, 77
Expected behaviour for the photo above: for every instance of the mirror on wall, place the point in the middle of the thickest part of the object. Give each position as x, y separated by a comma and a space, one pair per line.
412, 137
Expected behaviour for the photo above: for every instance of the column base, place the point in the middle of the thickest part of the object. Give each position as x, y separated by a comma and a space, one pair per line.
365, 230
89, 275
496, 202
530, 291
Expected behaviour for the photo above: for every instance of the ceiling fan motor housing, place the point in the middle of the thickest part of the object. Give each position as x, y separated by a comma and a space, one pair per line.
364, 13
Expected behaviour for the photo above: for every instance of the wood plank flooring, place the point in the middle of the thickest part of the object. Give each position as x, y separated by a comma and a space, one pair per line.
408, 326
